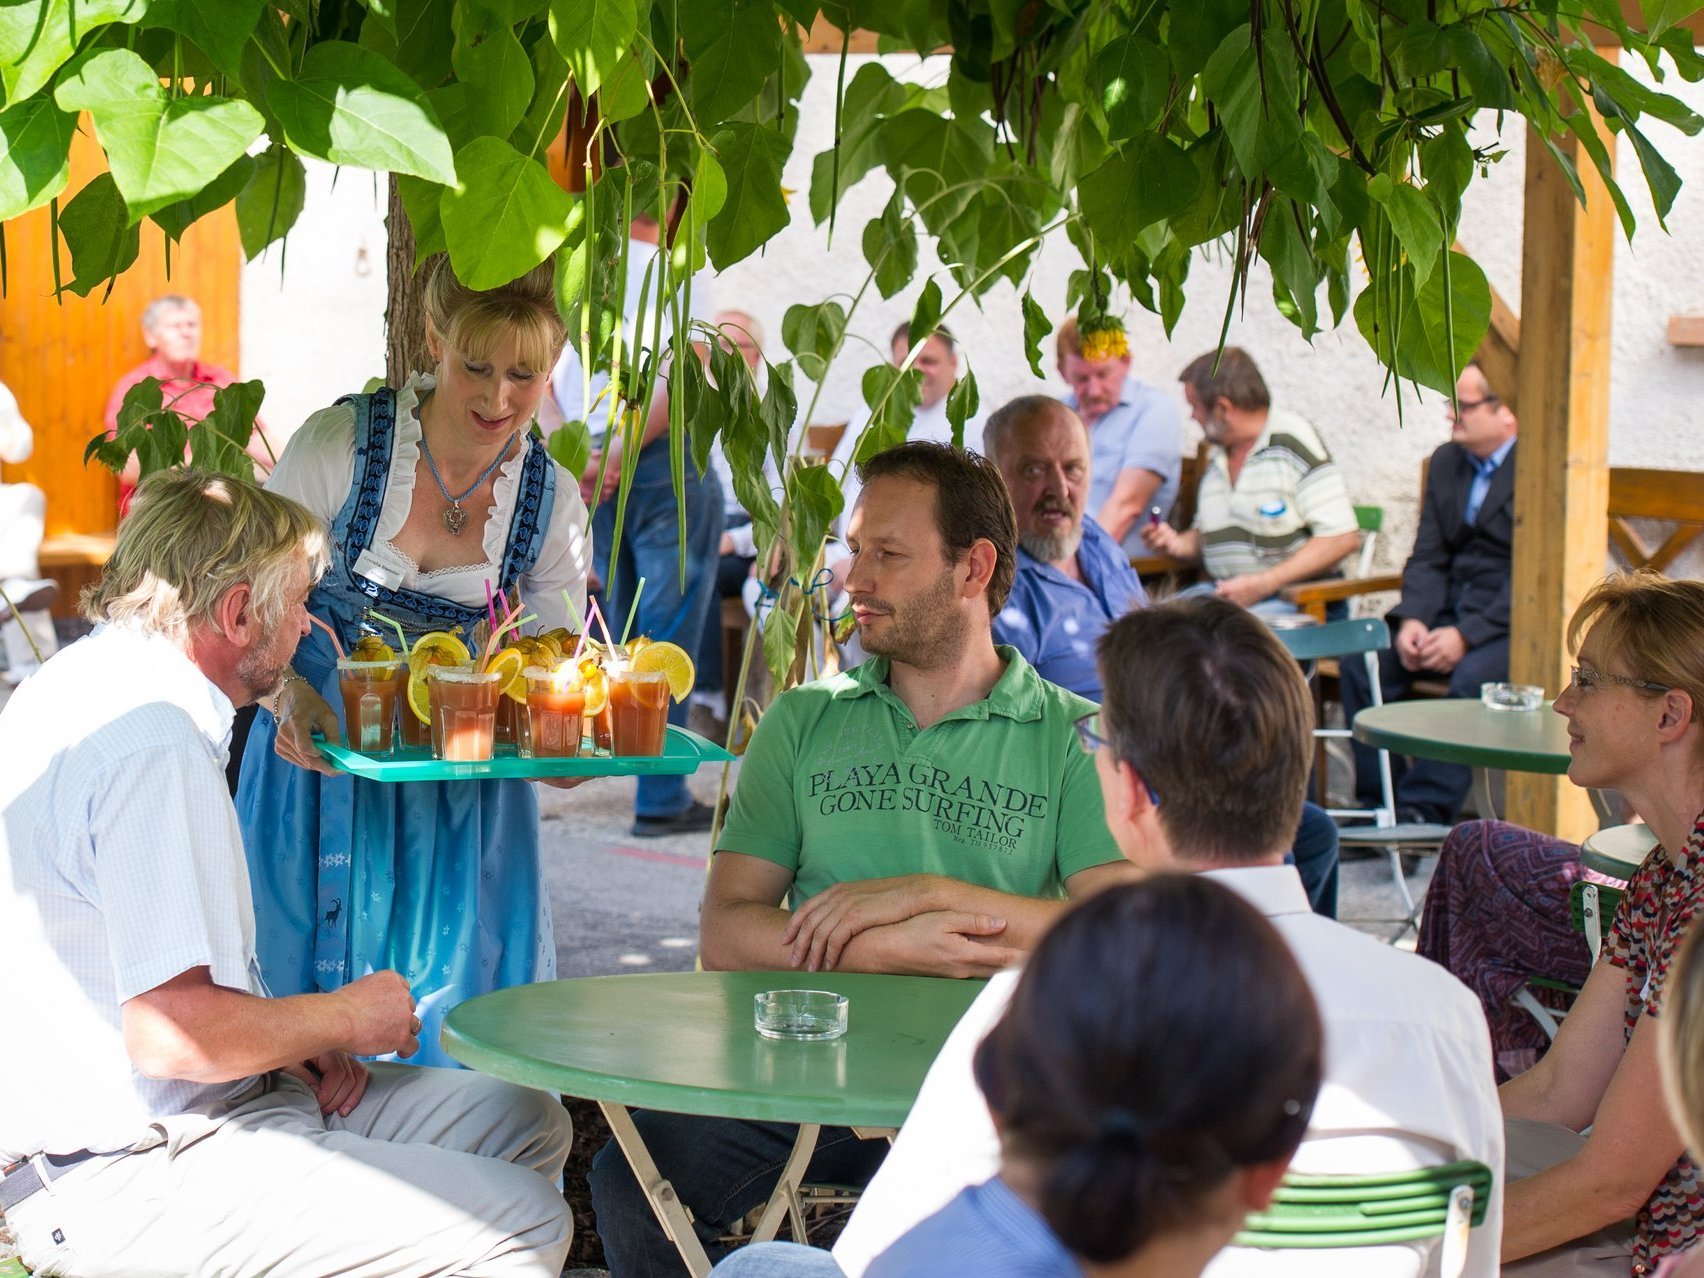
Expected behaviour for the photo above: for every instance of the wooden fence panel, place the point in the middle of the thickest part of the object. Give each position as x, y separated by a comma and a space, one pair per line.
61, 357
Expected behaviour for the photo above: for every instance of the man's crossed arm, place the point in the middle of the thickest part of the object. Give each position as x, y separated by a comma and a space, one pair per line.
913, 924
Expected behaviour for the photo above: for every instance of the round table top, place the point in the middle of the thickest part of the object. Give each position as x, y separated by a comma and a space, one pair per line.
1617, 850
1456, 730
684, 1042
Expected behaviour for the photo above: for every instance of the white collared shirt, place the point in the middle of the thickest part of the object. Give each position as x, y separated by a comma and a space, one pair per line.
1408, 1084
121, 866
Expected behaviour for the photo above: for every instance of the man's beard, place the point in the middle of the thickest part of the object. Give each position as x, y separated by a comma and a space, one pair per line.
1050, 549
260, 675
926, 632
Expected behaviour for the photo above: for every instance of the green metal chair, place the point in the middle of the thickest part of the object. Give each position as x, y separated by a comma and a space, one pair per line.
1313, 1212
1590, 905
1372, 828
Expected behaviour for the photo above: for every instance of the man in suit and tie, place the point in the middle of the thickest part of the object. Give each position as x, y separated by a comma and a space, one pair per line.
1453, 618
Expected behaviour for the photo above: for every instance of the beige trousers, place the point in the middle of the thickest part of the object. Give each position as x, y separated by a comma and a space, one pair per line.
1534, 1147
436, 1172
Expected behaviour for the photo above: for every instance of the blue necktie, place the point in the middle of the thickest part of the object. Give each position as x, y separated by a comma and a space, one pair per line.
1483, 468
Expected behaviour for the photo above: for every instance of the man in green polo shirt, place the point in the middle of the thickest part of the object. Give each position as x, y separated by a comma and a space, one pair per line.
928, 812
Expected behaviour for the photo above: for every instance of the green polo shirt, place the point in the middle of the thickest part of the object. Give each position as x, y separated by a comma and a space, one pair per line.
839, 785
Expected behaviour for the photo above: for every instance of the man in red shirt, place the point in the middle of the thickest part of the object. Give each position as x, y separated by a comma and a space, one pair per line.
171, 326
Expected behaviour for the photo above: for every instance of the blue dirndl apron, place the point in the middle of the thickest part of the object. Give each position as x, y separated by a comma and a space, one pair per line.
438, 880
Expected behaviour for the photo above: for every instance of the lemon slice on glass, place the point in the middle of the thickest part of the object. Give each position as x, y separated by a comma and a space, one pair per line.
673, 661
509, 665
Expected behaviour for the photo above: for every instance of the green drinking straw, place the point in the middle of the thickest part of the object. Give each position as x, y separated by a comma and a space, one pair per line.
401, 639
574, 613
632, 612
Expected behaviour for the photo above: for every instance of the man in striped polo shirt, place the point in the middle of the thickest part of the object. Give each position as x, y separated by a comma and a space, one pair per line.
1272, 508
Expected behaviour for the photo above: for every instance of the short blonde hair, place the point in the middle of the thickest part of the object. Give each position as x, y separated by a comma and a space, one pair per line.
1680, 1040
471, 322
190, 536
1651, 623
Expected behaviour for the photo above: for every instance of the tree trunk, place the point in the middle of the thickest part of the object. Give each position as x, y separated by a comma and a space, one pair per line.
405, 306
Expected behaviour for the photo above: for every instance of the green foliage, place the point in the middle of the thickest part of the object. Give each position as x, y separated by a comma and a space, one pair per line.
35, 136
1329, 140
271, 200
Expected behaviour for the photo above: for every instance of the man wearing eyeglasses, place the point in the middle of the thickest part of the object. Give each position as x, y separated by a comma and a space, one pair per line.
1452, 621
1202, 750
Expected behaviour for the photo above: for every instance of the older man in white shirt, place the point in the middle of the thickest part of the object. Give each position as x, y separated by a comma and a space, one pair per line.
1202, 748
23, 518
162, 1113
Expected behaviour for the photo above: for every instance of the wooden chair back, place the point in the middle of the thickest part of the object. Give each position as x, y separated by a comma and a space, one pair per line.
1672, 496
821, 441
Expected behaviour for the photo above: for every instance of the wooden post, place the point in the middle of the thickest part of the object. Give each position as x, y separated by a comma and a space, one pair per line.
1562, 485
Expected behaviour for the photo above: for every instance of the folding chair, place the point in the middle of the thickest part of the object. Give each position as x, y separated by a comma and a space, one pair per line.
1310, 1212
1589, 905
1365, 637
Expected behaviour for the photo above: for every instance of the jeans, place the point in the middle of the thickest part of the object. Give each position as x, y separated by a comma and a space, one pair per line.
1315, 857
779, 1260
668, 610
1433, 789
721, 1168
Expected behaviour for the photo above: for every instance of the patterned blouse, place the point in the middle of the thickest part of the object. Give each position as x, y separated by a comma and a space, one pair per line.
1662, 897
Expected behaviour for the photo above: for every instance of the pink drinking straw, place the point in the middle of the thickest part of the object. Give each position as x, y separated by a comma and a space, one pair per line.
335, 645
491, 605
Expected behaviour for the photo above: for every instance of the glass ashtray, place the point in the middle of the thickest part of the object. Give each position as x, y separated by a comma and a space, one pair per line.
1511, 696
803, 1016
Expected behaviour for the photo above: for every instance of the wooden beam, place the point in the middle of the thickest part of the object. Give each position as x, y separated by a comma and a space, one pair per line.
1498, 355
1686, 330
1562, 485
825, 37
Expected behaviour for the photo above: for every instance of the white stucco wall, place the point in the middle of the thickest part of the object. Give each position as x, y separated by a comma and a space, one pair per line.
313, 315
319, 334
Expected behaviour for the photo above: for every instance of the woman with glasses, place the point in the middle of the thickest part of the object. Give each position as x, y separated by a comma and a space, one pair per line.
1619, 1199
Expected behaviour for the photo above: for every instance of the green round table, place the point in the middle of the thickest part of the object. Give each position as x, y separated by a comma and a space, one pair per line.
1617, 850
685, 1042
1456, 730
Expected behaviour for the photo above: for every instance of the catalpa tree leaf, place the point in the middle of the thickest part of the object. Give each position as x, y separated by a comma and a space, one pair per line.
506, 217
161, 149
349, 106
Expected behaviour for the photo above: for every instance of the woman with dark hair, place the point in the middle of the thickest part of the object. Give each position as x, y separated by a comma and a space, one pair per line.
1150, 1081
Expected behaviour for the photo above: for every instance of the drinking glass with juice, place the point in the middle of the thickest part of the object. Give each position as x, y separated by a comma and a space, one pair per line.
552, 724
369, 691
464, 712
639, 711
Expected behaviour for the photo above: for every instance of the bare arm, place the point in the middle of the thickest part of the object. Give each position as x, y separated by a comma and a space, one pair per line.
743, 925
1631, 1147
1313, 558
1131, 496
191, 1029
824, 930
1163, 539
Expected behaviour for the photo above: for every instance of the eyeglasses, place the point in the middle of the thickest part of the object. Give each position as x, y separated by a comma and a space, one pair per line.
1463, 406
1585, 680
1090, 738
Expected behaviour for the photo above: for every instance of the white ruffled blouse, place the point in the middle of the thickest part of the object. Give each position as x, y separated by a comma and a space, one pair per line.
318, 470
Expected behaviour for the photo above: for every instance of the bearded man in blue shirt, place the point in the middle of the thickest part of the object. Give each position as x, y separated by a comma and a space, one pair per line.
1073, 581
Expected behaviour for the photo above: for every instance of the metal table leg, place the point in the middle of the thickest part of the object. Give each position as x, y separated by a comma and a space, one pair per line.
785, 1200
1482, 800
672, 1214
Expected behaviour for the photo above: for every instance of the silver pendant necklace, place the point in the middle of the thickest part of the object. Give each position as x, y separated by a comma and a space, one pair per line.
454, 517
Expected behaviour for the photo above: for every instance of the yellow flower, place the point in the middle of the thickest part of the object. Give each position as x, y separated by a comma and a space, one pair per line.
1104, 338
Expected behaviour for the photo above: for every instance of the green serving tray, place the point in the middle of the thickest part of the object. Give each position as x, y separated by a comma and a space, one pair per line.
683, 752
